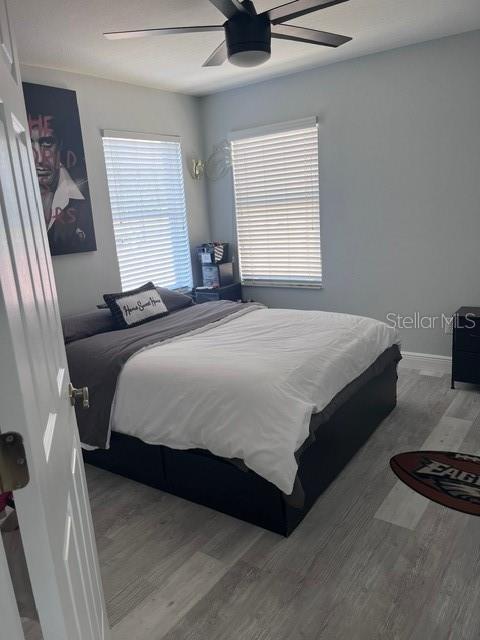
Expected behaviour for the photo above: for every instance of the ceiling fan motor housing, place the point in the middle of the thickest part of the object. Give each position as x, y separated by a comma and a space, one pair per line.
248, 39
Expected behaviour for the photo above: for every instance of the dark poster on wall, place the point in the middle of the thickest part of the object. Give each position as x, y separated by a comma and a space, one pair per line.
57, 143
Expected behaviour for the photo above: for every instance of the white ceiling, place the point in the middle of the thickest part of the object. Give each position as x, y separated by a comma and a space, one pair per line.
67, 34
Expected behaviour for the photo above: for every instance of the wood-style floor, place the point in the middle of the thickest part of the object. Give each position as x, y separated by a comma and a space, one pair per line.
371, 561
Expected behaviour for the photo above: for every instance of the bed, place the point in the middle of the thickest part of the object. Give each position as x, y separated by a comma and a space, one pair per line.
247, 410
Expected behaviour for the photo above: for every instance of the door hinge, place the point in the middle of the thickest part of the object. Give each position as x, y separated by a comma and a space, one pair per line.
13, 463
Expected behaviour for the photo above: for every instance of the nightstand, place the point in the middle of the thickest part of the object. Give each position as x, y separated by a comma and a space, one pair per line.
229, 292
466, 346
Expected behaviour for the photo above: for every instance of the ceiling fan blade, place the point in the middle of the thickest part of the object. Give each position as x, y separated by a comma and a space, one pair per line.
141, 33
231, 8
218, 57
298, 8
301, 34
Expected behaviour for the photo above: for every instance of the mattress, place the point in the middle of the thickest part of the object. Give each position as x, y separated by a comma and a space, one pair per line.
246, 387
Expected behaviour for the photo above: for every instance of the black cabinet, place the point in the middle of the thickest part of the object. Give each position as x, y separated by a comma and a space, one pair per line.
230, 292
466, 346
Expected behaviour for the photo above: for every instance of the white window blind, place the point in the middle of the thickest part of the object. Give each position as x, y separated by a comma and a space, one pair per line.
277, 204
145, 181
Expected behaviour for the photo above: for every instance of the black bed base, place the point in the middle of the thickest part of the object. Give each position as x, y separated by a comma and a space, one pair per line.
203, 478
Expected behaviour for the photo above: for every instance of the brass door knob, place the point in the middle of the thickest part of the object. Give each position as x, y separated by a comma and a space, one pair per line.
78, 394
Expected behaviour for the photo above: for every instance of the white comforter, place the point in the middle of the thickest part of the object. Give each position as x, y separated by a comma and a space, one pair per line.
246, 387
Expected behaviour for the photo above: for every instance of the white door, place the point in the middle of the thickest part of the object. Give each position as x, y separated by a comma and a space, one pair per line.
53, 509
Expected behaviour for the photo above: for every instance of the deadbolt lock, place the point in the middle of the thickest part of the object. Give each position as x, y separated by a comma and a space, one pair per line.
78, 394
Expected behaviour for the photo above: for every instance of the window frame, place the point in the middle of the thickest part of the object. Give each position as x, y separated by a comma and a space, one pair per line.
150, 137
279, 127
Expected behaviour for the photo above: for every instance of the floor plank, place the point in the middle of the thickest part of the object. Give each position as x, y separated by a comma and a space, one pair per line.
172, 600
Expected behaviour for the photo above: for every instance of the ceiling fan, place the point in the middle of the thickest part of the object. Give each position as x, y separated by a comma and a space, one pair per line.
248, 34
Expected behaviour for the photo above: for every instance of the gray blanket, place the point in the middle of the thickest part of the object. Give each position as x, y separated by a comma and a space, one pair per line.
96, 362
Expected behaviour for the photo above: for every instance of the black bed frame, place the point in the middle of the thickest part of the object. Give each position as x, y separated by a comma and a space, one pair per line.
203, 478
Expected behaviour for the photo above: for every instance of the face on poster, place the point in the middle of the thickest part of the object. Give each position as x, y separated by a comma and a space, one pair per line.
57, 144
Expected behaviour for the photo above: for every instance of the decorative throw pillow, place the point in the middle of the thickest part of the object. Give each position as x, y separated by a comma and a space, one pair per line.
174, 300
134, 307
84, 325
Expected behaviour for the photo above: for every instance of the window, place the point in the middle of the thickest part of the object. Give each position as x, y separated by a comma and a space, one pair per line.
277, 204
145, 180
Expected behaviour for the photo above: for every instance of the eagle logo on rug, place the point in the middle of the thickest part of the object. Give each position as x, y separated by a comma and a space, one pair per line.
451, 479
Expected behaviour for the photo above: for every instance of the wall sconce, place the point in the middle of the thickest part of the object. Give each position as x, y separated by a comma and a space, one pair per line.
217, 165
198, 169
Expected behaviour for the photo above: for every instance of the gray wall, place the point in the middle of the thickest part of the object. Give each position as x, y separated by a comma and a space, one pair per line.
399, 178
82, 278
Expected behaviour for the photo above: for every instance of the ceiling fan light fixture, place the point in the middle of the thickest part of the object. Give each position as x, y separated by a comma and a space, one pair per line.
249, 58
248, 40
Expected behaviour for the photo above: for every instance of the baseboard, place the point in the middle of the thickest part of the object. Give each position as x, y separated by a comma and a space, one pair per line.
426, 362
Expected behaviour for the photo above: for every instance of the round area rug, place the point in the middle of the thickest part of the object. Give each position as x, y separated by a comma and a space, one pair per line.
451, 479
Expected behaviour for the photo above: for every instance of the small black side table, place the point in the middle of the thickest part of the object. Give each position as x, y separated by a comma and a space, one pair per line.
466, 346
229, 292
